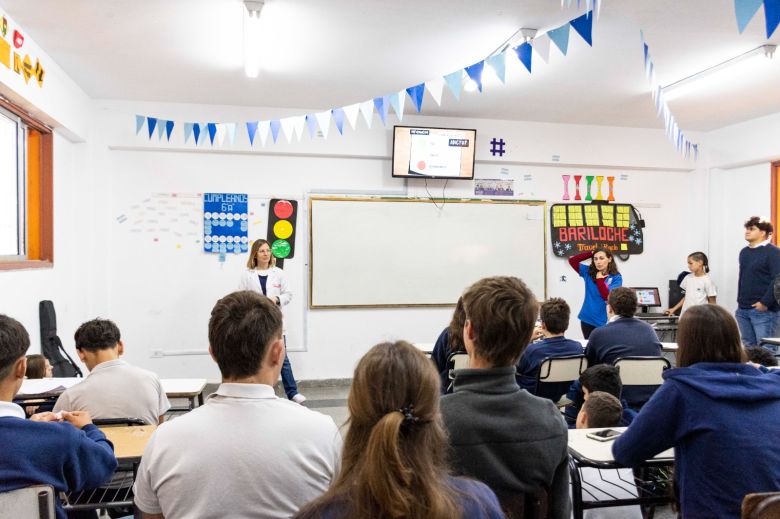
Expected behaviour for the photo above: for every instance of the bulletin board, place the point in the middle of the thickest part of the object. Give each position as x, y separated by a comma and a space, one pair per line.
388, 252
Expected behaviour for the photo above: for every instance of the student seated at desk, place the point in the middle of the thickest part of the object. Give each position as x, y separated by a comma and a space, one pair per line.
604, 410
113, 388
394, 462
554, 314
761, 357
505, 437
450, 341
719, 414
43, 450
245, 452
604, 378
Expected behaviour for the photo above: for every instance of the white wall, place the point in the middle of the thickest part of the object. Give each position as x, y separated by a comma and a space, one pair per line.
161, 293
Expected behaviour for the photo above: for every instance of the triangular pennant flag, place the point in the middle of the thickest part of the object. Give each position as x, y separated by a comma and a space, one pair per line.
584, 27
475, 73
160, 128
542, 47
435, 87
338, 118
311, 124
251, 130
151, 122
230, 128
746, 10
323, 118
416, 93
212, 129
367, 111
139, 123
196, 132
498, 64
397, 102
455, 82
187, 132
275, 126
262, 131
772, 13
351, 112
382, 107
168, 129
560, 37
299, 121
288, 127
221, 130
525, 54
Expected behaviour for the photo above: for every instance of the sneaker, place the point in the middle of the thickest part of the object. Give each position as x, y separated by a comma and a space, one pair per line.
299, 398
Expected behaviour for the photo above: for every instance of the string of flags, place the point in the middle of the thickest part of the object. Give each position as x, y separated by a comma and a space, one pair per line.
676, 135
747, 9
294, 127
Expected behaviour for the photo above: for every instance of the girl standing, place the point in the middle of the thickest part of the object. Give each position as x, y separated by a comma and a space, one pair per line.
699, 288
600, 277
263, 276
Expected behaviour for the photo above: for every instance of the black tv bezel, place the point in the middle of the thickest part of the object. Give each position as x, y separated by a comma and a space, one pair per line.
431, 177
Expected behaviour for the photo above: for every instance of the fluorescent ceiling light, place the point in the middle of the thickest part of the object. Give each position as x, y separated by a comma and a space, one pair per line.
252, 36
731, 70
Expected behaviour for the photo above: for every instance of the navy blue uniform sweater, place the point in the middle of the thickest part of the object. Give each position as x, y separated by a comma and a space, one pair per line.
758, 268
55, 454
722, 420
528, 366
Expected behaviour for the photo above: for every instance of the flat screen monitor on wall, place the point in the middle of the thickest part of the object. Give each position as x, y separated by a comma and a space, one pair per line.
420, 152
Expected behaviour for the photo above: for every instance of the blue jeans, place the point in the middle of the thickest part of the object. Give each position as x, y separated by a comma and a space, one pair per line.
755, 325
288, 380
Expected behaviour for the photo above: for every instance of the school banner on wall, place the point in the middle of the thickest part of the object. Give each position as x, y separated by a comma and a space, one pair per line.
225, 223
576, 228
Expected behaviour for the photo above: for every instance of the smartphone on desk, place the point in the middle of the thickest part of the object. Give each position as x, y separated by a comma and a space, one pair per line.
604, 436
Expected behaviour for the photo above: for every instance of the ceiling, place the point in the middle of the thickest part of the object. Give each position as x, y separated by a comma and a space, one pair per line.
321, 54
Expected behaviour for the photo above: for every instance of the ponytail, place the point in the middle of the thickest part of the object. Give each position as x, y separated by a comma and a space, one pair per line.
700, 256
387, 476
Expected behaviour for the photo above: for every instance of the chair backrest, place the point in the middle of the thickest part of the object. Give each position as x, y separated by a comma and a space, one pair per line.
556, 374
641, 376
761, 506
457, 360
30, 502
117, 422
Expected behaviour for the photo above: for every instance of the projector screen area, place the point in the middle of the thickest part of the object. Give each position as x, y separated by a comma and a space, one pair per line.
433, 152
380, 252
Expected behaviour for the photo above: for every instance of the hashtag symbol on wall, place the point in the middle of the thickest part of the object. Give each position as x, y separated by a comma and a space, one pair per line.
497, 147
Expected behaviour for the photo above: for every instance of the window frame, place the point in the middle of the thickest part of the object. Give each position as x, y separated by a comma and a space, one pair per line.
38, 214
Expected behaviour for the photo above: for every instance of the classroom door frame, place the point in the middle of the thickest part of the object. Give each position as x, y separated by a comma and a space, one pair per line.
775, 174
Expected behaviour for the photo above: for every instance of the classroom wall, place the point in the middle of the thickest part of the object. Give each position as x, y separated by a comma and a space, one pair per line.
161, 292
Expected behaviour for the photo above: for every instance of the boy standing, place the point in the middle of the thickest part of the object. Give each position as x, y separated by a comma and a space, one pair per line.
759, 265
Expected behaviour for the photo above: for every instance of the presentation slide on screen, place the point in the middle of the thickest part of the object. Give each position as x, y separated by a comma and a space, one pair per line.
433, 152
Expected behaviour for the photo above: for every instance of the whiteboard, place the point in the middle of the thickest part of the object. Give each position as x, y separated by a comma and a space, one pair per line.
378, 252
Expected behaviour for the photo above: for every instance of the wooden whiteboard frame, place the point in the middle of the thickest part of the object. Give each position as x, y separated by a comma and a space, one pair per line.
414, 200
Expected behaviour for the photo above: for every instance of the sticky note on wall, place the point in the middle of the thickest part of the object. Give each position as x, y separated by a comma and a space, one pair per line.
5, 53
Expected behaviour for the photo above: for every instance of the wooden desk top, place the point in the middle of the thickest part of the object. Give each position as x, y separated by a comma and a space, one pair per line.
129, 441
183, 387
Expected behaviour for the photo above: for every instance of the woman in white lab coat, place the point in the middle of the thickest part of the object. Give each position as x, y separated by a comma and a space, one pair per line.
263, 276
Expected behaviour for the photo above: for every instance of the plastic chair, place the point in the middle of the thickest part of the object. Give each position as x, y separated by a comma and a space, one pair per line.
456, 360
556, 375
30, 502
641, 376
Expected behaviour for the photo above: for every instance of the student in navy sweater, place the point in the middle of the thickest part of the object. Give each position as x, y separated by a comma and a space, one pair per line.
759, 265
450, 341
600, 277
601, 378
68, 456
719, 414
554, 314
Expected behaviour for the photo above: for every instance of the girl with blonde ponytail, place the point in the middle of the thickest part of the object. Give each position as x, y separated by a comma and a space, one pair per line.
393, 463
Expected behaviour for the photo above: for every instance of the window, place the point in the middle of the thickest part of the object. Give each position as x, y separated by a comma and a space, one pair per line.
25, 190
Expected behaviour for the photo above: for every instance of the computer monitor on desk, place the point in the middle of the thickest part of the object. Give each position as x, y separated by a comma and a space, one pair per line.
647, 297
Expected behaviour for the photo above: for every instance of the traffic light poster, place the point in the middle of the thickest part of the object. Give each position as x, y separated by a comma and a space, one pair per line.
225, 223
575, 228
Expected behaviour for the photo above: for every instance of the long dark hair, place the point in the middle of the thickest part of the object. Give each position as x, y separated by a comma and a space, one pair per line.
456, 328
393, 462
611, 268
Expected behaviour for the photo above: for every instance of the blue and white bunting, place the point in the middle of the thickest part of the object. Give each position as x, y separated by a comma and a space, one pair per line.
454, 81
338, 119
416, 93
772, 13
196, 132
560, 37
351, 112
311, 124
151, 123
367, 111
323, 118
498, 63
745, 11
168, 129
382, 105
541, 45
474, 72
435, 88
251, 131
188, 131
525, 54
139, 123
263, 128
584, 27
276, 125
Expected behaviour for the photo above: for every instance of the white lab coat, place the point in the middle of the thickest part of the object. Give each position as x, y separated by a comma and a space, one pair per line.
276, 285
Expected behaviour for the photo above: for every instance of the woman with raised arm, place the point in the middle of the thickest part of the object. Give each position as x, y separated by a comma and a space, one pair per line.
600, 277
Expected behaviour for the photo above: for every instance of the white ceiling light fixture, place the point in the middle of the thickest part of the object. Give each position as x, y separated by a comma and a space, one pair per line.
735, 69
252, 35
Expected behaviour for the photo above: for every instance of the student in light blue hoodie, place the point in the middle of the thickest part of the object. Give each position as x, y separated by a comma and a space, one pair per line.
719, 414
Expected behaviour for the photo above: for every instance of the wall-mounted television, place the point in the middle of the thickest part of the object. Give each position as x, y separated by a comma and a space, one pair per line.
420, 152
